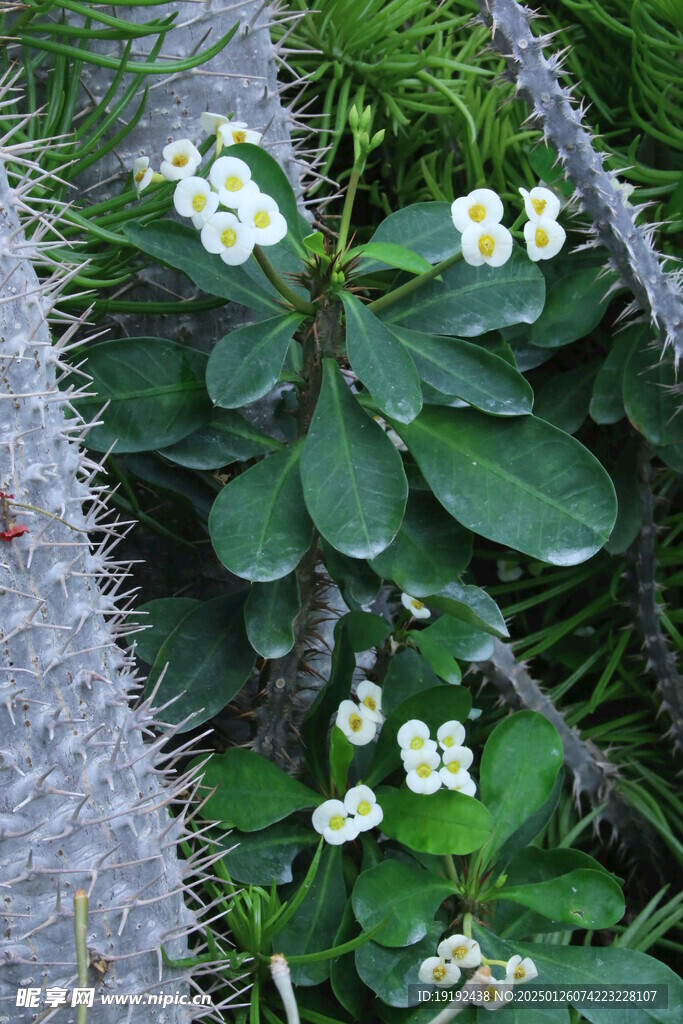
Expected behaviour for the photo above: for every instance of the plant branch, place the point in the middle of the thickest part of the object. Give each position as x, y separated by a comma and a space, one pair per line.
285, 291
413, 284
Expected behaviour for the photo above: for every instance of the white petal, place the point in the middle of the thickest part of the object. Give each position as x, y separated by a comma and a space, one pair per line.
211, 238
469, 952
411, 729
426, 972
146, 179
370, 697
463, 756
358, 795
210, 122
547, 201
325, 812
200, 219
371, 820
335, 837
554, 239
451, 734
482, 200
526, 965
416, 607
497, 989
236, 255
428, 755
251, 205
469, 244
274, 233
418, 784
173, 173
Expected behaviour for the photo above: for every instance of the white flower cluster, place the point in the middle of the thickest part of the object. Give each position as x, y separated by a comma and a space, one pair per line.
423, 761
359, 721
485, 240
339, 821
453, 955
249, 217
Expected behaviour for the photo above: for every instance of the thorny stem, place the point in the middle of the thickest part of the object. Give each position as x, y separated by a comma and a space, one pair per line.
413, 284
285, 291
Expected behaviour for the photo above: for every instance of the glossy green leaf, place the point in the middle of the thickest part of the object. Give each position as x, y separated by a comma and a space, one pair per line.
574, 306
473, 300
651, 395
460, 639
316, 721
471, 604
269, 615
625, 478
343, 451
344, 979
315, 242
428, 227
272, 180
607, 403
511, 790
179, 246
341, 756
366, 630
207, 645
225, 438
354, 577
315, 923
393, 255
259, 525
155, 390
437, 657
251, 792
456, 367
429, 550
246, 364
586, 899
392, 974
434, 706
160, 618
564, 399
381, 362
408, 674
261, 857
520, 840
520, 482
442, 823
404, 893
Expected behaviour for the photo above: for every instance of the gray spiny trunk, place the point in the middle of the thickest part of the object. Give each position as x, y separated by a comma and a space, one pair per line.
631, 253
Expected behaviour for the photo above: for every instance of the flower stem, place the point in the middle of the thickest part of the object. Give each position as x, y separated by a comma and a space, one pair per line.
413, 284
451, 869
285, 291
467, 925
348, 207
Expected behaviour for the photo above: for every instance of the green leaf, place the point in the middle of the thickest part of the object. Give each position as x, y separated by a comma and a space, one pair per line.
262, 857
520, 482
269, 615
564, 399
408, 674
512, 789
179, 246
627, 485
366, 630
354, 577
651, 395
393, 255
442, 823
586, 899
317, 719
315, 242
341, 756
343, 452
246, 364
381, 363
251, 792
456, 367
429, 550
225, 438
607, 403
404, 893
259, 525
473, 300
435, 706
315, 923
207, 645
343, 976
574, 306
392, 974
459, 638
155, 390
160, 617
272, 180
471, 604
429, 226
437, 657
520, 840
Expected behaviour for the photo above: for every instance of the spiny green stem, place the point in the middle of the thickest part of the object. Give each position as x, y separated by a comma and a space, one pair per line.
285, 291
413, 284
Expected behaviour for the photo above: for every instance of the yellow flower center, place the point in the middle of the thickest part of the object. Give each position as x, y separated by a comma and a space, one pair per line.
198, 202
233, 184
519, 973
439, 973
417, 605
139, 176
363, 807
491, 994
370, 703
336, 823
179, 160
486, 245
539, 205
261, 219
416, 743
228, 238
239, 136
477, 213
459, 952
424, 771
355, 723
453, 767
541, 238
448, 741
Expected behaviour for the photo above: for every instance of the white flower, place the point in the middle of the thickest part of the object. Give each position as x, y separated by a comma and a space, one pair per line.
461, 782
482, 206
263, 216
450, 734
233, 132
486, 243
493, 995
540, 202
416, 607
411, 758
544, 238
358, 729
332, 821
223, 235
232, 180
423, 776
457, 759
370, 697
508, 571
434, 971
362, 802
463, 951
518, 970
142, 173
181, 160
210, 122
413, 734
193, 198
